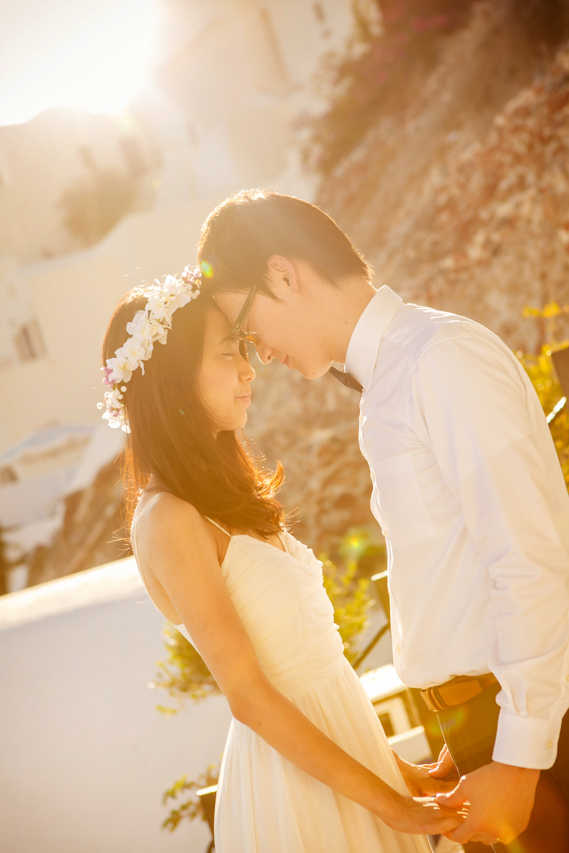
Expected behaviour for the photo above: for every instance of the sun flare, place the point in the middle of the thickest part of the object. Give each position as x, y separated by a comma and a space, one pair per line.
90, 55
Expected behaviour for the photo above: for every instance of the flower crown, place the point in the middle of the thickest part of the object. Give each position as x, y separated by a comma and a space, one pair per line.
147, 327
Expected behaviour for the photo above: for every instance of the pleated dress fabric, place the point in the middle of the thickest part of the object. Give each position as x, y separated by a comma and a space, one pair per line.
265, 804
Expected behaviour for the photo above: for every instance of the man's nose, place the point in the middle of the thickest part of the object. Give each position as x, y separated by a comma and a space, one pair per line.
264, 353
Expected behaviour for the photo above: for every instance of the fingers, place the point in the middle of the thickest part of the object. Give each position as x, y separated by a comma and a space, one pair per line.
441, 781
445, 766
431, 786
443, 821
474, 830
446, 825
443, 786
456, 799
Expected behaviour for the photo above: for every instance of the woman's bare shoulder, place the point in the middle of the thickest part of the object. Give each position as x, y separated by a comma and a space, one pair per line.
165, 511
167, 519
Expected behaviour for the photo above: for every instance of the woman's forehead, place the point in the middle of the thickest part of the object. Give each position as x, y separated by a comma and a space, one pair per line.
218, 328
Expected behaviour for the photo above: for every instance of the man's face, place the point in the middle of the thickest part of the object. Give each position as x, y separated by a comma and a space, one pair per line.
287, 330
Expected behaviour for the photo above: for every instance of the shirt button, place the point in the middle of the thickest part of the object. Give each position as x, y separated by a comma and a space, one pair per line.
398, 649
567, 677
549, 744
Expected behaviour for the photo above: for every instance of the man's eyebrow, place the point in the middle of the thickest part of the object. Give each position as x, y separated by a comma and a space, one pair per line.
227, 339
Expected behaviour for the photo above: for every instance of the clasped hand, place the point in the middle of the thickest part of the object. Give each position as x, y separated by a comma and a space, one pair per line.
428, 780
499, 800
495, 801
426, 816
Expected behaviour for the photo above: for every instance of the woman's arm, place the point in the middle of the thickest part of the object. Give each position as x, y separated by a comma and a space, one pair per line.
180, 553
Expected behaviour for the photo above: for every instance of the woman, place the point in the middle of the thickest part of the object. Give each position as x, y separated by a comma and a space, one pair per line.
307, 766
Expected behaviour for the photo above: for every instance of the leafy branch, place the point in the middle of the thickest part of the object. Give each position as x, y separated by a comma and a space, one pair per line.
189, 808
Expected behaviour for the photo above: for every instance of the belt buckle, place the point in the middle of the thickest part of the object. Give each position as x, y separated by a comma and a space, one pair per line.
431, 700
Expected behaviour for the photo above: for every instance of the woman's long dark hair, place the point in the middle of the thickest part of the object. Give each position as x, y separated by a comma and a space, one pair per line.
172, 436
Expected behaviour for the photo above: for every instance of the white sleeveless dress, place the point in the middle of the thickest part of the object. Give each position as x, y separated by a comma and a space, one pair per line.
265, 804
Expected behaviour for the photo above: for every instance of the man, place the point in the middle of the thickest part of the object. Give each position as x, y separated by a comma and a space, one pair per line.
466, 486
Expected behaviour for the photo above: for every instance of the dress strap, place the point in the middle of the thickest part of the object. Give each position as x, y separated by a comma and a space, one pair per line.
217, 525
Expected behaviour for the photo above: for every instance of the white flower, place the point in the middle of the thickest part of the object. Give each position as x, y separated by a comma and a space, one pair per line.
113, 400
171, 285
179, 301
147, 329
156, 307
134, 351
138, 323
121, 369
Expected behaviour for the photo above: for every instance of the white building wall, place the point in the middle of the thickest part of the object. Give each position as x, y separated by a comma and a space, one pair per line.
307, 36
86, 756
241, 70
42, 159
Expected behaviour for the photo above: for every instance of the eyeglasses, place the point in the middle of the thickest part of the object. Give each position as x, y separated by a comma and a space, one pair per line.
237, 328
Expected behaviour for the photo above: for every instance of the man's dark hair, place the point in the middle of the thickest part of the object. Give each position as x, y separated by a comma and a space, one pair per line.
242, 233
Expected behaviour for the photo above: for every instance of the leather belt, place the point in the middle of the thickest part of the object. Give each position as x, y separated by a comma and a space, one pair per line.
456, 691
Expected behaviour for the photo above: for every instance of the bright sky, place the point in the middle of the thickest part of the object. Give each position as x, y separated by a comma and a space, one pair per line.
93, 54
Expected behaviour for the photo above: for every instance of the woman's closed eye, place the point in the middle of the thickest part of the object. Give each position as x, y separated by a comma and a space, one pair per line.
240, 348
231, 349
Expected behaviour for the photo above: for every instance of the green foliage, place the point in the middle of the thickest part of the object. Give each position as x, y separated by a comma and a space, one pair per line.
541, 371
347, 591
189, 808
351, 603
183, 674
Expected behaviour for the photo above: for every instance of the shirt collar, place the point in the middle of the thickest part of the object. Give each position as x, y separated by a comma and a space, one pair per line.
368, 333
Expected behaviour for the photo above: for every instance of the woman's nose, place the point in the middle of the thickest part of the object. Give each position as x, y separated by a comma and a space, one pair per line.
247, 371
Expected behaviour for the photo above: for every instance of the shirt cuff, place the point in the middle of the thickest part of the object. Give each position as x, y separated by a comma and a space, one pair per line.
526, 741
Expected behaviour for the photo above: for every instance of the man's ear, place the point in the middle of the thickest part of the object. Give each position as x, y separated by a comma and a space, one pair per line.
282, 276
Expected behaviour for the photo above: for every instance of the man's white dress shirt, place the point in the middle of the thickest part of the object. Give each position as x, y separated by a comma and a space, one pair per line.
469, 493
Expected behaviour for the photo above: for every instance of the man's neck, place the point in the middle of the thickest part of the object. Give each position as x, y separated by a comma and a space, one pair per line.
351, 299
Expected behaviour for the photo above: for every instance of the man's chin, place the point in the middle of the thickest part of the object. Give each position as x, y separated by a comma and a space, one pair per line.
313, 372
